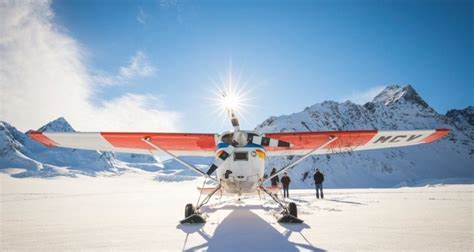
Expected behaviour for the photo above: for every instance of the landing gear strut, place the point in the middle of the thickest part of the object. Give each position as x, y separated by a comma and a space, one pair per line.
290, 212
192, 215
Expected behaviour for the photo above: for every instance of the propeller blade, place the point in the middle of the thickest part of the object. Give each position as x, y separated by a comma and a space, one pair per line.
266, 141
234, 121
230, 112
227, 152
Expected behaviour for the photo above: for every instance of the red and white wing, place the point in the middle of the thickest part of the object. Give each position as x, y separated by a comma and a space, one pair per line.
303, 142
188, 144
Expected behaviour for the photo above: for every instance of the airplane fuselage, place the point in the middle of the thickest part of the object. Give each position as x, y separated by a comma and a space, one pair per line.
244, 170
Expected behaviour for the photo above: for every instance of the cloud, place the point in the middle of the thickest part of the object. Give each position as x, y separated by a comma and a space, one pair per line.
43, 76
363, 96
141, 16
138, 67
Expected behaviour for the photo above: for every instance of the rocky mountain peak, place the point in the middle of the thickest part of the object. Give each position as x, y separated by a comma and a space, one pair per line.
395, 108
466, 115
394, 93
58, 125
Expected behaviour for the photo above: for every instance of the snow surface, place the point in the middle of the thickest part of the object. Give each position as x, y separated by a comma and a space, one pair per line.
135, 212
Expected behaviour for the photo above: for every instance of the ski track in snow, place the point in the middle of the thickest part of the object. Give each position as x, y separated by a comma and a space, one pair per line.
135, 212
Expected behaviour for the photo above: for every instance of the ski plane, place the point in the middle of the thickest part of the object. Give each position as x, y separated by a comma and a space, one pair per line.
239, 164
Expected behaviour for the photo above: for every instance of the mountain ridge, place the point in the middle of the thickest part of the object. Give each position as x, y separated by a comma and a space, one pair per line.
395, 108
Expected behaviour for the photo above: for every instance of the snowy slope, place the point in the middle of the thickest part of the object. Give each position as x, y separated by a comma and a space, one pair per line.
463, 120
19, 151
33, 159
395, 108
23, 157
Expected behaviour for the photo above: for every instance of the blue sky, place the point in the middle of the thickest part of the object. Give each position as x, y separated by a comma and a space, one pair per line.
292, 54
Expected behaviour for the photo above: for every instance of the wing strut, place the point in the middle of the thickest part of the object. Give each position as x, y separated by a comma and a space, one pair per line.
147, 140
331, 139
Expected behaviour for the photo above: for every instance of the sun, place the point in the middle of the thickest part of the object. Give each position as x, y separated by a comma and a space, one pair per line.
231, 95
231, 101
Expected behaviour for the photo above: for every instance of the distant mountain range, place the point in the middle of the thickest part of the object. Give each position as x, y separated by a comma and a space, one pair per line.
395, 108
21, 156
450, 160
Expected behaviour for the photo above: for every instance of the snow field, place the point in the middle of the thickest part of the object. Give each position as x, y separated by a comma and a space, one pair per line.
135, 212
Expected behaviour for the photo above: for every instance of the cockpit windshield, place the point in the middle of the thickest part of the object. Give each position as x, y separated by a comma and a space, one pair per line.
227, 138
239, 138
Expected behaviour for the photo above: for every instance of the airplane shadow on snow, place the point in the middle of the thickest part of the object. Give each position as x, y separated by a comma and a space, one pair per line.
243, 230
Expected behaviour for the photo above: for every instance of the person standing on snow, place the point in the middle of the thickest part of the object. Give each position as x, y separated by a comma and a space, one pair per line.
318, 182
285, 181
275, 179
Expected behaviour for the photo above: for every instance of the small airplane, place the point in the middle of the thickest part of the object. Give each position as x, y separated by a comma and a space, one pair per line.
239, 162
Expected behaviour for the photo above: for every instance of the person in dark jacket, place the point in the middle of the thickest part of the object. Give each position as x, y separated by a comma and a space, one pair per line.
318, 181
275, 179
285, 181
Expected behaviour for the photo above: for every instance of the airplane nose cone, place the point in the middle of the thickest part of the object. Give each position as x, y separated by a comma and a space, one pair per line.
240, 137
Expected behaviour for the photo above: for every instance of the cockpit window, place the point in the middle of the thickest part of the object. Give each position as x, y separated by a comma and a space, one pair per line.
227, 138
239, 139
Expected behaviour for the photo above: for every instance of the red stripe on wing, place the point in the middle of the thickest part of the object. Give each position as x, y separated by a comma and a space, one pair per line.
40, 137
166, 141
440, 133
311, 140
352, 139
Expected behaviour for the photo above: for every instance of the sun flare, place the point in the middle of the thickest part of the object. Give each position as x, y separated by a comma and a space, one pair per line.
231, 94
230, 101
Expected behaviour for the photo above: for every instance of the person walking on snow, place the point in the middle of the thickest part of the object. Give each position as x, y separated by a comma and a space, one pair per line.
318, 182
285, 181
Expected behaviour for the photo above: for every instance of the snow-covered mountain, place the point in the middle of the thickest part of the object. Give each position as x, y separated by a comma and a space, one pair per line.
17, 150
395, 108
24, 157
463, 120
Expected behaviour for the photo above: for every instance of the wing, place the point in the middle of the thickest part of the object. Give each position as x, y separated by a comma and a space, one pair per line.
188, 144
303, 142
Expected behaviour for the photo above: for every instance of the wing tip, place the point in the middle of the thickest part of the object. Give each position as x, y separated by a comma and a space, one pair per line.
437, 135
42, 138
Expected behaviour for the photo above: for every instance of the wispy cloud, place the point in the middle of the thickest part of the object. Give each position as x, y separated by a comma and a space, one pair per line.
138, 66
43, 76
363, 96
141, 16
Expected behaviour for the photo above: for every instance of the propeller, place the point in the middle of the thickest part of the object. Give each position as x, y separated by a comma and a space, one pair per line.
266, 141
229, 103
240, 138
223, 155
